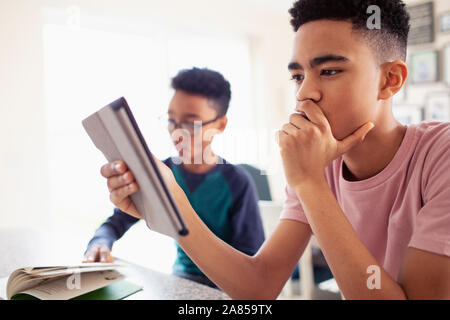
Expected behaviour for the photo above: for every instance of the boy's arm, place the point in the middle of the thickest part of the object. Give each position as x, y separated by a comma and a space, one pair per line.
112, 229
424, 275
347, 257
239, 275
243, 277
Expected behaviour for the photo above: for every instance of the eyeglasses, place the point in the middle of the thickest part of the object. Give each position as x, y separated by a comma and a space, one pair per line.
189, 126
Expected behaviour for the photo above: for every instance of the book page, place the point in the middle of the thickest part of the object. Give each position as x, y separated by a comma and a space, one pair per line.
83, 266
71, 270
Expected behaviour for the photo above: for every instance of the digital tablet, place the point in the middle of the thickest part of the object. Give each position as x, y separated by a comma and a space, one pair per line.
116, 134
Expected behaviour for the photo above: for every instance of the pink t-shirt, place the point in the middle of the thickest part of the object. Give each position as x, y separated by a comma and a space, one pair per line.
405, 205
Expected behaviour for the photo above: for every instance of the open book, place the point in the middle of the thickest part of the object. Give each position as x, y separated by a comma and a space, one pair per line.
87, 281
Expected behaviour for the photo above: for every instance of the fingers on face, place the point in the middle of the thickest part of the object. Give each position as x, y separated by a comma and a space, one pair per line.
313, 112
287, 136
299, 121
291, 129
299, 126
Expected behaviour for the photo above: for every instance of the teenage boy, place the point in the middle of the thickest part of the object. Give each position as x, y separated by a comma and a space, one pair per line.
223, 195
375, 193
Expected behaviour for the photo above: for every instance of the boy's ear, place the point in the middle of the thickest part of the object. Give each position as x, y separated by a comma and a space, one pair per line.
222, 123
393, 78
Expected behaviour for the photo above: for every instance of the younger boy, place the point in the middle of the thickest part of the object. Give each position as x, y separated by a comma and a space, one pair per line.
223, 195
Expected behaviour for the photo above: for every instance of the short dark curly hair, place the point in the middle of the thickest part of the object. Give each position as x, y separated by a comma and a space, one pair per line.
207, 83
388, 43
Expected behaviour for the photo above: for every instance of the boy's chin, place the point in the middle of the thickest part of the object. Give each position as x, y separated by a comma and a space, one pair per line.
344, 132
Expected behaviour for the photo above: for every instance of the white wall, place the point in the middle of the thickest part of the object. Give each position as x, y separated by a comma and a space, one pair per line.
23, 194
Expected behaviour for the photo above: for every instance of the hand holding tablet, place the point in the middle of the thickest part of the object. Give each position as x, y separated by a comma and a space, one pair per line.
135, 180
121, 185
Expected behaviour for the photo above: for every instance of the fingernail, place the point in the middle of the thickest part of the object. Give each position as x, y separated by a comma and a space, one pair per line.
117, 166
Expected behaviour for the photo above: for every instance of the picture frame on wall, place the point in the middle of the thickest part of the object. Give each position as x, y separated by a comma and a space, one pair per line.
437, 107
422, 23
446, 64
424, 67
408, 114
444, 22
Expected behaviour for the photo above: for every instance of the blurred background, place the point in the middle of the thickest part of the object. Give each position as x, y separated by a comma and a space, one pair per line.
62, 60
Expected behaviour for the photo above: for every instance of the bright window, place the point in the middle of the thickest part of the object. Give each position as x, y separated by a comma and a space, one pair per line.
86, 68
